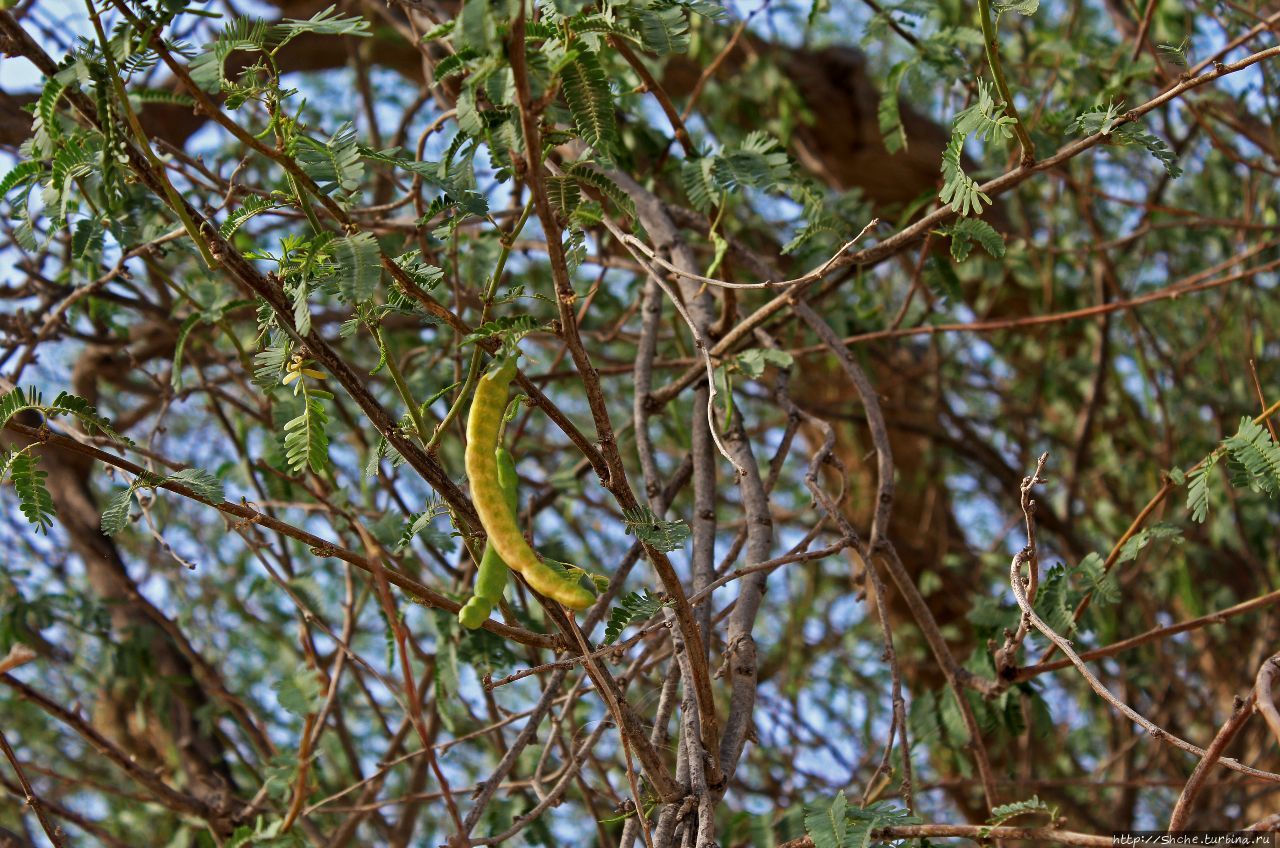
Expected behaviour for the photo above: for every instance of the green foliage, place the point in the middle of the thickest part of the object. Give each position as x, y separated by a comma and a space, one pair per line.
864, 821
1103, 584
1005, 812
476, 28
469, 119
966, 232
1198, 488
24, 173
434, 173
240, 34
947, 721
509, 328
838, 825
324, 22
249, 35
664, 535
335, 164
575, 249
306, 444
564, 194
888, 112
1112, 122
204, 484
87, 238
142, 96
1022, 7
758, 162
17, 400
299, 693
455, 63
708, 9
447, 669
115, 517
959, 190
589, 177
753, 361
253, 206
1159, 531
631, 608
1254, 458
85, 413
662, 30
269, 363
424, 275
359, 267
586, 91
21, 467
486, 652
1175, 53
823, 215
827, 826
985, 119
266, 835
1053, 600
301, 307
74, 159
419, 523
33, 497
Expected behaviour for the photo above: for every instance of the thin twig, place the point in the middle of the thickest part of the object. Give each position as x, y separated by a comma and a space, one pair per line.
29, 794
1020, 594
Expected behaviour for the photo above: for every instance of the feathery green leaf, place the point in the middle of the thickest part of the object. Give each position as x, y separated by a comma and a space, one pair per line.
33, 497
631, 608
586, 91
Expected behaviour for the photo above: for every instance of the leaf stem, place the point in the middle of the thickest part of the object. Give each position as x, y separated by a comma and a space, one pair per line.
990, 41
473, 369
401, 386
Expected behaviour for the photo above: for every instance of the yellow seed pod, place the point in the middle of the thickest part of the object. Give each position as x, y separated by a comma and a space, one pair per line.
483, 426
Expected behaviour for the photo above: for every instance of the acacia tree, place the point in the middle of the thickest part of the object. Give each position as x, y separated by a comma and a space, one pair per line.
862, 358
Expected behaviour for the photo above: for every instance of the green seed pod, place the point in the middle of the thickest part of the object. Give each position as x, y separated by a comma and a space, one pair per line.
496, 515
491, 576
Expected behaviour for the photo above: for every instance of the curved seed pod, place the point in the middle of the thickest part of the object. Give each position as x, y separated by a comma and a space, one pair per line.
491, 576
498, 519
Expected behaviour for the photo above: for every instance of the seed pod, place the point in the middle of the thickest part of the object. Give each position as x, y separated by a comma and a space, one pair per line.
491, 576
498, 518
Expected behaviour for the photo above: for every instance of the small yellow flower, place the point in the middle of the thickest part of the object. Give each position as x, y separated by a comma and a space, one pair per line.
297, 368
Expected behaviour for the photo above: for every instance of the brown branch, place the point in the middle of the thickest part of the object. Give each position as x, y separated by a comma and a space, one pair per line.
29, 796
914, 232
884, 552
1165, 488
163, 793
1006, 657
1038, 835
1241, 709
616, 481
1262, 694
412, 697
322, 547
655, 88
244, 273
1019, 584
1152, 635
